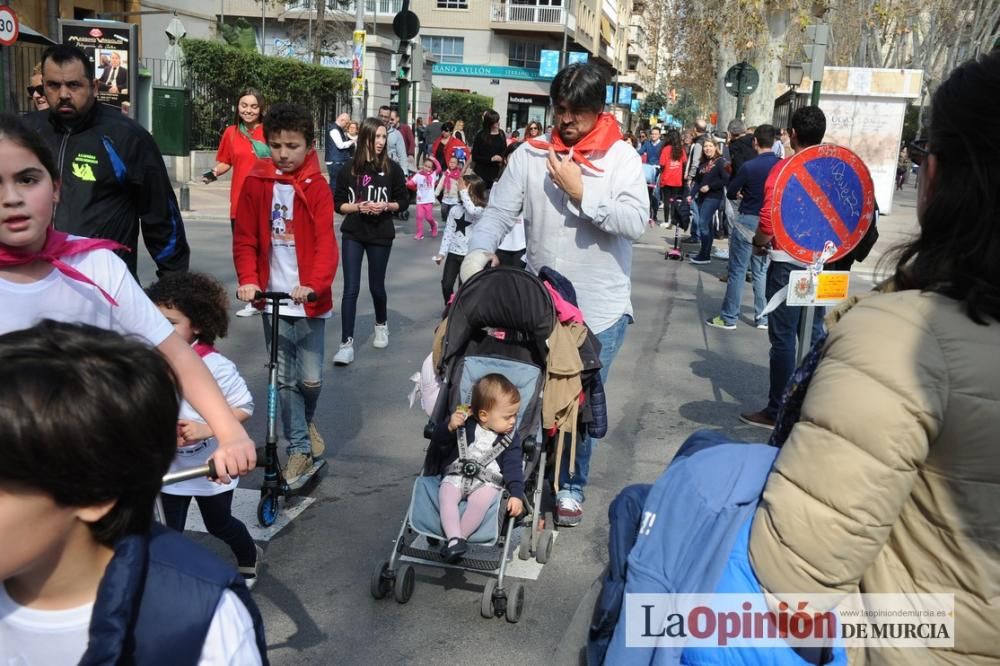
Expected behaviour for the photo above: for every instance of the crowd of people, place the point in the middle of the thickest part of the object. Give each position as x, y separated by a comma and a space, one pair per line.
573, 197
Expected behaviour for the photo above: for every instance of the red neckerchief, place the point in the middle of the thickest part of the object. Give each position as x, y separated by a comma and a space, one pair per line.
203, 349
59, 245
602, 137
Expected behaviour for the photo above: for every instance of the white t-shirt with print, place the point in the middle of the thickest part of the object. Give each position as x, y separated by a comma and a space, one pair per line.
62, 298
284, 263
425, 183
238, 396
30, 637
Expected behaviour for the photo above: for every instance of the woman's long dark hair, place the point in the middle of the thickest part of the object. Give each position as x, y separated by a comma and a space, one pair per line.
365, 157
674, 141
958, 250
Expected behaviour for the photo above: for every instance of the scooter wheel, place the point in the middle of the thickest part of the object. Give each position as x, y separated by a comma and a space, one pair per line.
267, 509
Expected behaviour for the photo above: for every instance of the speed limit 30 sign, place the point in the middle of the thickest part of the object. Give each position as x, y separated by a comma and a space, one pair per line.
8, 26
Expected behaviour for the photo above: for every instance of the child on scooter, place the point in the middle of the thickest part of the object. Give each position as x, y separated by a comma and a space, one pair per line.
197, 306
297, 256
494, 407
87, 431
424, 182
47, 273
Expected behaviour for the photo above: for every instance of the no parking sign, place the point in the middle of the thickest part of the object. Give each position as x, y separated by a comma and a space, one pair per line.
823, 193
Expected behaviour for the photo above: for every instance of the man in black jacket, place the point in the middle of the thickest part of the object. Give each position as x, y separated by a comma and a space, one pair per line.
113, 177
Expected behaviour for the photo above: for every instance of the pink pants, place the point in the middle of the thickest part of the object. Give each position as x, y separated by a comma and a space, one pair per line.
478, 503
425, 211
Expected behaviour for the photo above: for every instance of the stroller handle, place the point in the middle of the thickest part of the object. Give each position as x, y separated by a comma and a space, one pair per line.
279, 295
193, 473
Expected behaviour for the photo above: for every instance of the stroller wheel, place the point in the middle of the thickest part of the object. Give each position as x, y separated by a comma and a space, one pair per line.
515, 603
267, 508
486, 609
524, 550
544, 548
403, 589
381, 582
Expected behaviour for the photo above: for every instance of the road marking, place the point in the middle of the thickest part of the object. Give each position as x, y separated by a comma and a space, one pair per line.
245, 509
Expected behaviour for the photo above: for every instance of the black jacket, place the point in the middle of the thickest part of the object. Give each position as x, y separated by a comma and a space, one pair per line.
741, 151
370, 186
444, 450
114, 182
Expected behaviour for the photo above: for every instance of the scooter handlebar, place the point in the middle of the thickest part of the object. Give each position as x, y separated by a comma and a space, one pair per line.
279, 295
193, 473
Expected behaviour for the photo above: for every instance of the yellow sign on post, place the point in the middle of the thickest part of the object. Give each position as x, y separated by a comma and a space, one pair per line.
824, 288
358, 65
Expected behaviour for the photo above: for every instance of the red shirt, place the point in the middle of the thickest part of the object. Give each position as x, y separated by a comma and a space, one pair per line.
765, 225
237, 151
672, 173
315, 245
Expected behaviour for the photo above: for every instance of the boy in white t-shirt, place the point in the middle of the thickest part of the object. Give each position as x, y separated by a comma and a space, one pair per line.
197, 306
87, 430
45, 273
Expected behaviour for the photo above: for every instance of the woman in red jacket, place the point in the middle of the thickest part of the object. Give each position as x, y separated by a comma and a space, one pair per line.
672, 162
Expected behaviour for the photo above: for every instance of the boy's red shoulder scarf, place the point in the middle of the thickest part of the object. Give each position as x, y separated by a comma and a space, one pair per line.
602, 137
58, 245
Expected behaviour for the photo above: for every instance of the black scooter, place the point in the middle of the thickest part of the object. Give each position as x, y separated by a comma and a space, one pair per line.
275, 486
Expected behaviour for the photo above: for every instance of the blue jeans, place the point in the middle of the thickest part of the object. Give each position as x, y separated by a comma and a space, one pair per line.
706, 210
694, 218
783, 333
351, 254
300, 375
741, 257
572, 484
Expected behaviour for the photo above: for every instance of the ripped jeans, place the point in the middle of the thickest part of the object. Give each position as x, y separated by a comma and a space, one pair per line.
300, 375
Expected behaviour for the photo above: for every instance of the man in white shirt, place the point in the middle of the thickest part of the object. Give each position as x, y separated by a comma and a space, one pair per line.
584, 201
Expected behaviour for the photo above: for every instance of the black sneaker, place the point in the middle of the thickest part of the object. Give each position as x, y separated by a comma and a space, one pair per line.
758, 419
454, 550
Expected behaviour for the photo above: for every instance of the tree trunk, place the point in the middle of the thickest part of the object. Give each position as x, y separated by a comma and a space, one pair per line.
759, 107
319, 31
725, 103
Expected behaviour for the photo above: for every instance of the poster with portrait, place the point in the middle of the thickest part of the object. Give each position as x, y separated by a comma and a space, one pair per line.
112, 47
358, 64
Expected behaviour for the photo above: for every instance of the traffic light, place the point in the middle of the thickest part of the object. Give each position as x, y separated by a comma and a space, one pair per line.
405, 61
817, 38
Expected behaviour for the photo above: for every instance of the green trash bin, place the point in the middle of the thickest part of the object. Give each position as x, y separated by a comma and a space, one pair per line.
172, 120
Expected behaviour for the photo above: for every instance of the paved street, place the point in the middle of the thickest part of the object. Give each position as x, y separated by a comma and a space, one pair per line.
672, 377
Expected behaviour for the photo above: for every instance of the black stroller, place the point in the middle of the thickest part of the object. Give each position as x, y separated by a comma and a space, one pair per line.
498, 323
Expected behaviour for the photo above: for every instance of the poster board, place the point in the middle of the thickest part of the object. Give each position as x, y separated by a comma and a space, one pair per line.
113, 48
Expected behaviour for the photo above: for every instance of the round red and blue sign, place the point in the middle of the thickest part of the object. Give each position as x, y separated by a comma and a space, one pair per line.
822, 193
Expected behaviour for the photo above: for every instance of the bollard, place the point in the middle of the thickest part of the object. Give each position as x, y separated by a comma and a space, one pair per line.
185, 198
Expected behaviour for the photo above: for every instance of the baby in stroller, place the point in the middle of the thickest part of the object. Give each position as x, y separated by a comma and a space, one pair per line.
485, 444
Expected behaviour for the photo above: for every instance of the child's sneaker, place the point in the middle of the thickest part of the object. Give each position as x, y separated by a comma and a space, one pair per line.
345, 355
298, 464
381, 340
248, 311
316, 441
569, 513
250, 574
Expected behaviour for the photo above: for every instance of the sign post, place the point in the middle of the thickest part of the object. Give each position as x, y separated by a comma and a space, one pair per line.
9, 29
823, 206
741, 80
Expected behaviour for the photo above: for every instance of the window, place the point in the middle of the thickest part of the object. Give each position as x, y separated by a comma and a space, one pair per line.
445, 49
524, 54
452, 4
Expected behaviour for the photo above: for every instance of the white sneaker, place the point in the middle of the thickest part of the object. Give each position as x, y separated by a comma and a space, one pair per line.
381, 340
345, 355
248, 311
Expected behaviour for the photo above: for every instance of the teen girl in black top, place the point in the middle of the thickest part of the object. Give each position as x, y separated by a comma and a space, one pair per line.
369, 192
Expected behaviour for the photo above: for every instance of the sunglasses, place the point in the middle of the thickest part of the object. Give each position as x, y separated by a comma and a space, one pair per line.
918, 151
36, 90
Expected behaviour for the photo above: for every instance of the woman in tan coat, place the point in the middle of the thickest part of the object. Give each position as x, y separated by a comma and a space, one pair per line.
890, 480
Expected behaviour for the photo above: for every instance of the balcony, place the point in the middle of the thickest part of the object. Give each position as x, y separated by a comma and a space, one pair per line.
372, 7
508, 16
